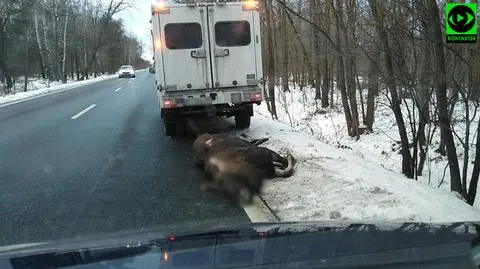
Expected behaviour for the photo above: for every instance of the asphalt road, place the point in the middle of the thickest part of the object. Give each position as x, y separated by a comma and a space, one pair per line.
65, 174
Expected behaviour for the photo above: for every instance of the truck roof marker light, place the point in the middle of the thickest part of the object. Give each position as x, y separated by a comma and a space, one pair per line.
190, 3
250, 5
160, 8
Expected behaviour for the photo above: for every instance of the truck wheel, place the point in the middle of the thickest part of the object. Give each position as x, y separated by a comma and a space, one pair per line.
242, 121
169, 128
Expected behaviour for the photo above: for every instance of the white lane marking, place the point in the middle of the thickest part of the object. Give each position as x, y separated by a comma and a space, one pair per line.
130, 81
258, 212
83, 112
118, 89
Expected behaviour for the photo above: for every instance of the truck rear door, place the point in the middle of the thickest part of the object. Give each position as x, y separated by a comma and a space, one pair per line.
235, 39
183, 53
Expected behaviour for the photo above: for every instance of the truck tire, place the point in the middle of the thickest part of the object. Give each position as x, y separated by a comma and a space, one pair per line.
242, 121
169, 128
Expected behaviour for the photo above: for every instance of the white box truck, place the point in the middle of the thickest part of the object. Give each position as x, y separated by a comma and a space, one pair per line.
208, 60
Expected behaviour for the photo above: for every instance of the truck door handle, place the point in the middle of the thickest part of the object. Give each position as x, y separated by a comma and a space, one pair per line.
222, 52
198, 53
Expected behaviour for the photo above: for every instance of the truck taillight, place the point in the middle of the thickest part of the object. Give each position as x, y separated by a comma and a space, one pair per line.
168, 103
160, 8
250, 5
256, 96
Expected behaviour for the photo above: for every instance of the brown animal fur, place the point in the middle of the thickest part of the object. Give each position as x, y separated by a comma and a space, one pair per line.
236, 167
220, 141
237, 179
212, 143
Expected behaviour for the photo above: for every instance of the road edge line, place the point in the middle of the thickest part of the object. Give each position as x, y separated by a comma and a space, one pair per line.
49, 93
259, 212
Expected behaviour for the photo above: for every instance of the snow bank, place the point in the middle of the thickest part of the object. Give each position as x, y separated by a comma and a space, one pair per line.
40, 87
332, 183
298, 109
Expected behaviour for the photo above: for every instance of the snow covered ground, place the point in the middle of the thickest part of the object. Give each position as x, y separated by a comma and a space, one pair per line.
38, 87
359, 182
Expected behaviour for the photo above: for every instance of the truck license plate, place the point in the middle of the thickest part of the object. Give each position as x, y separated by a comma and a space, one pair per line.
198, 101
236, 98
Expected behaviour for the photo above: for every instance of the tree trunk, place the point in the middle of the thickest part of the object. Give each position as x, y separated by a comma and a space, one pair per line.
41, 48
441, 94
341, 69
271, 60
360, 93
378, 15
424, 91
49, 55
326, 70
27, 61
72, 64
372, 91
56, 59
472, 189
3, 61
332, 104
41, 65
317, 51
349, 65
275, 37
312, 73
77, 64
64, 59
466, 146
85, 60
285, 50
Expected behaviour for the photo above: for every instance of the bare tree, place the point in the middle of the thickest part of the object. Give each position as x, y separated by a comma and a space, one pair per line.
65, 31
441, 96
270, 58
52, 39
326, 80
378, 11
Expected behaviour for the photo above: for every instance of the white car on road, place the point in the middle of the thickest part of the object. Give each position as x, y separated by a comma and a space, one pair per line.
126, 71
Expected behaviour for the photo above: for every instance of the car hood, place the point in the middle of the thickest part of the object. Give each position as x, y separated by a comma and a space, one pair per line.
304, 244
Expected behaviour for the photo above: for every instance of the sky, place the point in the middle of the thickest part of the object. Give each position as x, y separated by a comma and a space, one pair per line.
137, 22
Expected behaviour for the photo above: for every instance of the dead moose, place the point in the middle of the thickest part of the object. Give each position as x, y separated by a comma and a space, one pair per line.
238, 167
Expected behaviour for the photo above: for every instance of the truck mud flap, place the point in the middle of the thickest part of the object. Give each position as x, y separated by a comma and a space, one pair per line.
171, 115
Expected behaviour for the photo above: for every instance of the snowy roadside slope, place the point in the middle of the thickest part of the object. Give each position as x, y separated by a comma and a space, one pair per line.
37, 89
330, 183
380, 146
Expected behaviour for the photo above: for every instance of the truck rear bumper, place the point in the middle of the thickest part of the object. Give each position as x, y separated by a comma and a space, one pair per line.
177, 114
